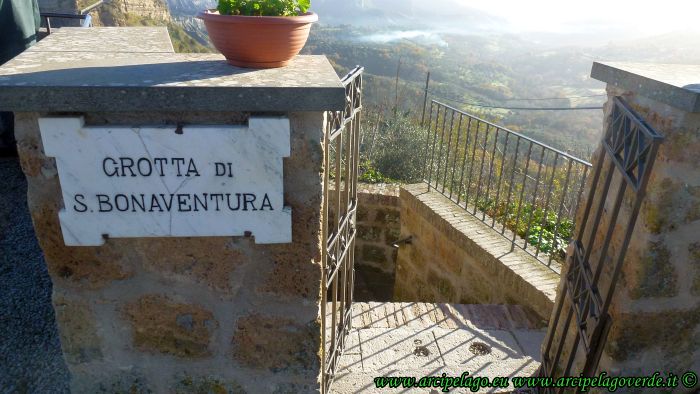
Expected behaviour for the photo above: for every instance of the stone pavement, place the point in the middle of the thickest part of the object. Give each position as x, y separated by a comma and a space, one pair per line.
30, 351
421, 339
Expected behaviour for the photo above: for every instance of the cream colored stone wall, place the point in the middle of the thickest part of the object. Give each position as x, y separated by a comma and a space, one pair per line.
455, 258
378, 228
655, 307
187, 314
153, 9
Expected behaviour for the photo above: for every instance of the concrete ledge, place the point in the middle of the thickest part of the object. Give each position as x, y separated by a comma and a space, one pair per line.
677, 85
461, 255
127, 82
142, 78
121, 39
379, 193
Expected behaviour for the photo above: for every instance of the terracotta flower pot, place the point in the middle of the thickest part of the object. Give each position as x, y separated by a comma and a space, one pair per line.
258, 41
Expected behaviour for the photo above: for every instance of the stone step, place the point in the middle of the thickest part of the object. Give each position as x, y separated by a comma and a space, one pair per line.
425, 339
422, 314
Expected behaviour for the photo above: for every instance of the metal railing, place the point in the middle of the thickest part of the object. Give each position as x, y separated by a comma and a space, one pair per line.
82, 15
341, 144
525, 190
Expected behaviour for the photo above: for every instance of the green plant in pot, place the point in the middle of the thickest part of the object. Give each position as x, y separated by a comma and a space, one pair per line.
259, 33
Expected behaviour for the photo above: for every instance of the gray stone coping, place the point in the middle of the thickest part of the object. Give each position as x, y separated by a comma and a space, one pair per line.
677, 85
106, 39
136, 81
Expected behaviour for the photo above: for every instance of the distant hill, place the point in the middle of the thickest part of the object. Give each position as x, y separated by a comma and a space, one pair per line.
189, 7
148, 13
439, 14
475, 62
487, 69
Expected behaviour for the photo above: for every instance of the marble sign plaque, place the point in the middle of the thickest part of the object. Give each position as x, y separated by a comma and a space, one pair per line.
191, 181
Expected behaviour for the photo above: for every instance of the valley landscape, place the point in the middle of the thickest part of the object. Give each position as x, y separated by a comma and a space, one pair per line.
477, 61
170, 223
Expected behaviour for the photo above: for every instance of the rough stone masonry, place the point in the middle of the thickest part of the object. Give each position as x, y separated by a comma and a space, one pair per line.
179, 314
655, 310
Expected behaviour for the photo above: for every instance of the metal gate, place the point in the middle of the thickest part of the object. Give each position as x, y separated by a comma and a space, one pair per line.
630, 146
341, 160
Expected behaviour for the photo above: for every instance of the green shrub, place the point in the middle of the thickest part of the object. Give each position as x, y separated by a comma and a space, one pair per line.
263, 7
393, 148
532, 225
369, 174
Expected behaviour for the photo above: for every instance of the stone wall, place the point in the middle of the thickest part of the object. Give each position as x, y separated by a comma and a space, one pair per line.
378, 228
655, 309
152, 9
187, 314
455, 258
113, 13
131, 13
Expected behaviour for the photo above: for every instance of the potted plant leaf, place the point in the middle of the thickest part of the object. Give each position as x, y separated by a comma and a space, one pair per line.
259, 33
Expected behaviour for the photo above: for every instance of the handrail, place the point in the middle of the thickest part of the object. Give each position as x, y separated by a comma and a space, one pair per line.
515, 132
82, 15
92, 7
530, 189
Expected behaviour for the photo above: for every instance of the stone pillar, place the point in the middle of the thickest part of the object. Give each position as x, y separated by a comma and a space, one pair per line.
655, 309
178, 314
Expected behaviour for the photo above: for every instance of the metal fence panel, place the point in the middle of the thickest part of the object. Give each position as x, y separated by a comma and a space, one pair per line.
525, 190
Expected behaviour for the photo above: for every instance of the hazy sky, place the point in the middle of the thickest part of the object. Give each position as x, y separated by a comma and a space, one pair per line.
574, 16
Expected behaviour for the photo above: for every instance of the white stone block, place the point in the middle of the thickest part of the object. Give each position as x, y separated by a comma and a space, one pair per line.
163, 181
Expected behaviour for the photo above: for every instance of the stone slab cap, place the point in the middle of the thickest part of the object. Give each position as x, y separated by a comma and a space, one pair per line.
677, 85
93, 81
106, 39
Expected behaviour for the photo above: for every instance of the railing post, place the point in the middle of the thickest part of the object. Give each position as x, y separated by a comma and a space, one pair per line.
425, 99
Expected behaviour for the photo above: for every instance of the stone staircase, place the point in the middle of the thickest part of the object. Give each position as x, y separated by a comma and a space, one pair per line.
426, 339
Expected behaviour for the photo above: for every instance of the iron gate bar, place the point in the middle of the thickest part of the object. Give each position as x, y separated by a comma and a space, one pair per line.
459, 134
629, 145
546, 201
522, 191
493, 157
442, 135
471, 166
447, 159
512, 178
341, 139
534, 196
464, 160
485, 182
427, 141
481, 170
